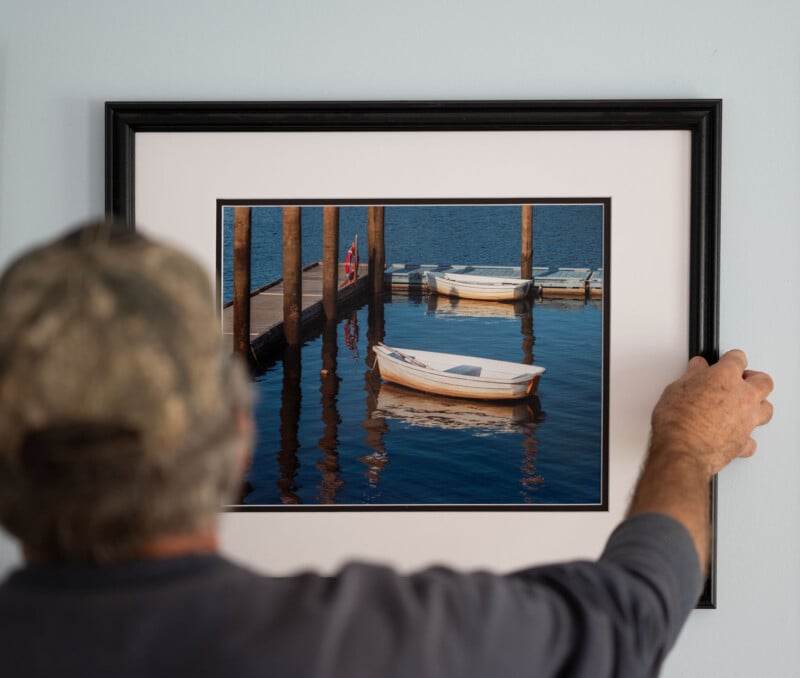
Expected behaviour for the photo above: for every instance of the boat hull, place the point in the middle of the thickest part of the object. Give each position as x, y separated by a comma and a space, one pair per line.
483, 288
457, 376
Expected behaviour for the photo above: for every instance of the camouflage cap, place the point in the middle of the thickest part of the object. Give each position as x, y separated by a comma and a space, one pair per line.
105, 326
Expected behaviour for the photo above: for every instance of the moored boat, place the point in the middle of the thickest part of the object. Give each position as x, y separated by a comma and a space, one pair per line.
458, 376
483, 287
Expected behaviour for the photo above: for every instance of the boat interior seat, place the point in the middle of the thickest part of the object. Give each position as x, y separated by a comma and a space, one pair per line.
466, 370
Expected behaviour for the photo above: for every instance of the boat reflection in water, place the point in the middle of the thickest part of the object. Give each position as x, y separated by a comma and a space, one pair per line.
470, 308
476, 418
435, 411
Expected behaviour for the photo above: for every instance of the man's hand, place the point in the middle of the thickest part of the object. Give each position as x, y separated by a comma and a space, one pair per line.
701, 422
710, 412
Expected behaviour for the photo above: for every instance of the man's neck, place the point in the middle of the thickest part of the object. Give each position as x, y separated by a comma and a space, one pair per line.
202, 541
174, 546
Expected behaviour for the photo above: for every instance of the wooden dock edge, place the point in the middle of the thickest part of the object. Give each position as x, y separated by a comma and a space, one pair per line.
537, 291
312, 319
548, 282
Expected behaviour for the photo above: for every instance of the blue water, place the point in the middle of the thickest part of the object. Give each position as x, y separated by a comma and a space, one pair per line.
345, 438
486, 235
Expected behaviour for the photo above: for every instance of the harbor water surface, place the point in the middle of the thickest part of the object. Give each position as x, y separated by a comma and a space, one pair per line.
329, 431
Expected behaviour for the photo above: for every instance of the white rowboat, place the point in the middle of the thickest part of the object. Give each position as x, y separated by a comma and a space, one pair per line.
484, 279
484, 287
459, 376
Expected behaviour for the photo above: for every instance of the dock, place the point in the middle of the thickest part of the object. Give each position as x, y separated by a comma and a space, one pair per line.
290, 311
266, 307
266, 303
548, 283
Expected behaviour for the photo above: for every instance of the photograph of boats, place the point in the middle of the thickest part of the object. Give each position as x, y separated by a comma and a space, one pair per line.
462, 366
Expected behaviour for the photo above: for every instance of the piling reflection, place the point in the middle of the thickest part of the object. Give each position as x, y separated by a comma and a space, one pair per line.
328, 465
528, 337
375, 427
291, 397
350, 331
529, 476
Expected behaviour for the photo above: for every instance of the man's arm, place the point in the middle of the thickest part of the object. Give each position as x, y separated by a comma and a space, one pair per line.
617, 616
702, 421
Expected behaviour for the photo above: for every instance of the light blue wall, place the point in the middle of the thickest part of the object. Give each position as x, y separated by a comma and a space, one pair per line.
59, 61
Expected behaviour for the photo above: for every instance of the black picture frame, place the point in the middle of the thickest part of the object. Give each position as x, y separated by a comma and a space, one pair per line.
700, 117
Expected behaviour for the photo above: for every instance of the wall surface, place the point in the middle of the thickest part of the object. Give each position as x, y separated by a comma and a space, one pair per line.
60, 61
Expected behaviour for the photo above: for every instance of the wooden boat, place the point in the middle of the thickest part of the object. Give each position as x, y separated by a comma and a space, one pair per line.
487, 279
483, 287
459, 376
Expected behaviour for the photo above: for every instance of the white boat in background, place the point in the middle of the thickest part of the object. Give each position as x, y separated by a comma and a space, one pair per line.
458, 376
482, 287
483, 279
434, 411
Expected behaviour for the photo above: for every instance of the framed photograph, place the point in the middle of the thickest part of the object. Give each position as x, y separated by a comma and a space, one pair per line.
377, 420
347, 423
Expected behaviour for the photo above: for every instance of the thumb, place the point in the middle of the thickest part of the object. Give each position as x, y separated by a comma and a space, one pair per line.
696, 364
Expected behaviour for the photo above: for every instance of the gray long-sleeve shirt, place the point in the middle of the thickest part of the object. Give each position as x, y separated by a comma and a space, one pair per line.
204, 616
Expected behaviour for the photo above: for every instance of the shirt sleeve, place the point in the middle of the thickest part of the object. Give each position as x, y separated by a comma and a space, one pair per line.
657, 552
617, 616
621, 615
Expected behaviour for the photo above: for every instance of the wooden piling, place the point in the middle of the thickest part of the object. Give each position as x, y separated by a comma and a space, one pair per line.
241, 280
330, 260
526, 263
292, 276
375, 427
376, 249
